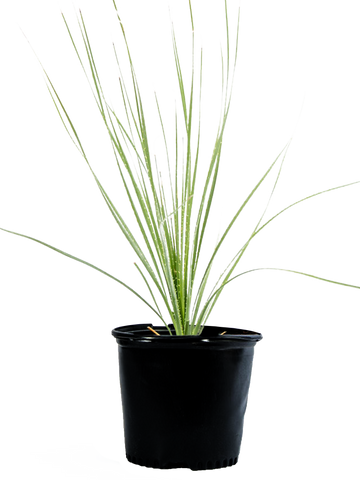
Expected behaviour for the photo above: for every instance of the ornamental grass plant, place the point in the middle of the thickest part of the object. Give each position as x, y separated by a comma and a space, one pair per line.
171, 199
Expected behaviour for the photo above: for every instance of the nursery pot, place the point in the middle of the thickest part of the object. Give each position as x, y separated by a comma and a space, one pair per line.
184, 397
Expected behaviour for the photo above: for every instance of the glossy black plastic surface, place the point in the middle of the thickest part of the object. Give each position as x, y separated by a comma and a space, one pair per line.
184, 398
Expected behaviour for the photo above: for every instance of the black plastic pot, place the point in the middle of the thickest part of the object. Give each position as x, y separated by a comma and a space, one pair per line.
184, 397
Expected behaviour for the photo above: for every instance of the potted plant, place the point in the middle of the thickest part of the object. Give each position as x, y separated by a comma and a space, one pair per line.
167, 422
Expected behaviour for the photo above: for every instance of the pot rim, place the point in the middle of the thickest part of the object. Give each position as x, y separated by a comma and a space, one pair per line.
139, 333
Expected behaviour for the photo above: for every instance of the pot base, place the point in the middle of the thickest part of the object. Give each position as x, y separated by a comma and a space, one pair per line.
180, 468
208, 465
